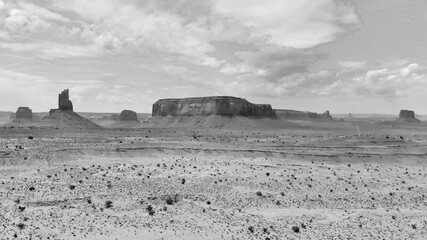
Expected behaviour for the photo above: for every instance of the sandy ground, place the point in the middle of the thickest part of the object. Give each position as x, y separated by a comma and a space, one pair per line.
314, 181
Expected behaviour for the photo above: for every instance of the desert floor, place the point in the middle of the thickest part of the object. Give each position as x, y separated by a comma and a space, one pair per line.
315, 181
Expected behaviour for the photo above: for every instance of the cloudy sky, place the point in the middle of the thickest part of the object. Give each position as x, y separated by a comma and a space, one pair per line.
361, 56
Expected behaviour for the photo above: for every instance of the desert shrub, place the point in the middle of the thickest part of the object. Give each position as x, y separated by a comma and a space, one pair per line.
21, 226
108, 204
169, 201
259, 194
295, 229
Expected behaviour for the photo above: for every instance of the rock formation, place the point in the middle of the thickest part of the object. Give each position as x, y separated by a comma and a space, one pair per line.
64, 102
128, 115
65, 117
204, 106
407, 116
293, 114
326, 115
24, 113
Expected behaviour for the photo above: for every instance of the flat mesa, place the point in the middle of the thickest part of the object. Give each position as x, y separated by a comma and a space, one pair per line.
223, 106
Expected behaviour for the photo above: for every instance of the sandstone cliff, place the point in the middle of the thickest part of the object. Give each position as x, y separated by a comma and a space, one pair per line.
204, 106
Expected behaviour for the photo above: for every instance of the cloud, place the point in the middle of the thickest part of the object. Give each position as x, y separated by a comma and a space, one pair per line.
272, 62
15, 87
385, 83
299, 24
352, 64
182, 27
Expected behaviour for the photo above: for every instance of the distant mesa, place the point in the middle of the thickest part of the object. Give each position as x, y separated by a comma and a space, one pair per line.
24, 113
407, 116
205, 106
301, 115
128, 115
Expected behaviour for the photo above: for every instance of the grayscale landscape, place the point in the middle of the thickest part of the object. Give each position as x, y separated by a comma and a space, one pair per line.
216, 119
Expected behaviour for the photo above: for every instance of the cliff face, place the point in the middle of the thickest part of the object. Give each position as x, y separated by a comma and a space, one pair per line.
204, 106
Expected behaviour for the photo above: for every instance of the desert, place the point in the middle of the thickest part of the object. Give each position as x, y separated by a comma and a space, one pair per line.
295, 179
213, 119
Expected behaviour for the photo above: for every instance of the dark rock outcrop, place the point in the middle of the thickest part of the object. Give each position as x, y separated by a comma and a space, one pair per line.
204, 106
24, 113
407, 116
64, 102
326, 115
128, 115
293, 114
404, 114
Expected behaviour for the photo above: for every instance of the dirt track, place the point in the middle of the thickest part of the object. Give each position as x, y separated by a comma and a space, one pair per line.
324, 183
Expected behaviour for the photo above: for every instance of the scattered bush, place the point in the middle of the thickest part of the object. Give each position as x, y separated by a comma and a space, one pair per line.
108, 204
21, 226
169, 201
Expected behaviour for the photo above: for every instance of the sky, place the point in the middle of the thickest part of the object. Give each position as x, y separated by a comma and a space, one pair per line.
359, 56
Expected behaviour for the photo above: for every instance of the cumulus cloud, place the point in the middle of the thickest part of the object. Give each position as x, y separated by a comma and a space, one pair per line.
391, 82
300, 24
273, 62
183, 27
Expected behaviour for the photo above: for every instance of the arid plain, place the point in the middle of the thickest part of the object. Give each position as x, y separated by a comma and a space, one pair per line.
303, 180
